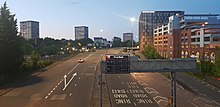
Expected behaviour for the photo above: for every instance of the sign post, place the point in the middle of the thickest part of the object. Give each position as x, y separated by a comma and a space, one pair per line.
173, 88
122, 64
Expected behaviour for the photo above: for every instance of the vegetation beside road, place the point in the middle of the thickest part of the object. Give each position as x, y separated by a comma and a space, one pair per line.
20, 57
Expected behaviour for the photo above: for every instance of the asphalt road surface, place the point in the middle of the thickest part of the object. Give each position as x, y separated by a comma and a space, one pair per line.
126, 92
49, 90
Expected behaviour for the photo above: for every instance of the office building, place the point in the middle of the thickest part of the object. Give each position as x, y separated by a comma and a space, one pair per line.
100, 42
29, 29
148, 20
127, 36
81, 32
189, 35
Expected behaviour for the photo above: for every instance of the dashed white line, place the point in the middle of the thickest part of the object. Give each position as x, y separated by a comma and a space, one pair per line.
219, 91
49, 94
79, 78
75, 84
73, 69
46, 97
51, 91
70, 94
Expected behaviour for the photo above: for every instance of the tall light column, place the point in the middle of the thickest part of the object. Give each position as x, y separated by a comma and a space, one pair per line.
101, 77
132, 21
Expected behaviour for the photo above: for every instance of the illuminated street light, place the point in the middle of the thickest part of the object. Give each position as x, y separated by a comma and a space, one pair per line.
132, 21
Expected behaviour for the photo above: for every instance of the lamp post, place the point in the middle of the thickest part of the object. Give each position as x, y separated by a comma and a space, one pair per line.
101, 30
132, 21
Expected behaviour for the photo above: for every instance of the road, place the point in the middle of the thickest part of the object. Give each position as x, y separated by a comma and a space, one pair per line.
126, 92
50, 89
47, 89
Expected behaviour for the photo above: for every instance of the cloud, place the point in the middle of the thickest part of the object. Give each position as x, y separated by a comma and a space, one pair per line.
76, 3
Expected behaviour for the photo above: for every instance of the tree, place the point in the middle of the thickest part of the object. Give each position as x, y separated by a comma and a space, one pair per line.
11, 56
151, 53
217, 63
116, 42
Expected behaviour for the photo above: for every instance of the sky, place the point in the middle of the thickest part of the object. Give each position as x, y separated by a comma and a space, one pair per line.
59, 17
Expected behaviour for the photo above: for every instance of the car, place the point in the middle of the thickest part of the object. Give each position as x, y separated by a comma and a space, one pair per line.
80, 60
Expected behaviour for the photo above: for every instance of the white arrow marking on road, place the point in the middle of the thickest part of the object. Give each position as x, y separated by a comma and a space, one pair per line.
66, 85
64, 80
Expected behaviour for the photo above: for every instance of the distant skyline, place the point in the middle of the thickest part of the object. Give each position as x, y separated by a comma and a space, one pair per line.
58, 18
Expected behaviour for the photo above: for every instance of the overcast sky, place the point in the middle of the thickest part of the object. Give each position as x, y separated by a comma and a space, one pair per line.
58, 17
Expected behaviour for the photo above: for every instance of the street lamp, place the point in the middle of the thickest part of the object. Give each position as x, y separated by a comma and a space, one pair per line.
101, 30
132, 21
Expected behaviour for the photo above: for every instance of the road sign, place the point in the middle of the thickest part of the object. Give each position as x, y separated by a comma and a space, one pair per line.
163, 65
117, 63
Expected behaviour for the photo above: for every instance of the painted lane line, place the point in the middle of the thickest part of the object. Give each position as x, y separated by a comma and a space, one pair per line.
51, 91
70, 94
49, 94
164, 84
79, 78
56, 86
46, 97
73, 69
75, 84
194, 105
96, 65
66, 85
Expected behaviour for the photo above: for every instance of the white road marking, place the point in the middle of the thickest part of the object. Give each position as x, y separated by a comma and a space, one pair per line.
164, 84
142, 83
49, 94
70, 94
135, 104
51, 91
194, 105
58, 97
75, 84
46, 97
79, 78
73, 69
159, 99
150, 90
66, 85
